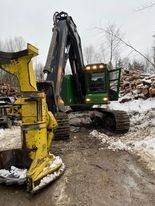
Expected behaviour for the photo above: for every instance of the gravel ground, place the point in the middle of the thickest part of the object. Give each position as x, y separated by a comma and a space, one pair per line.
93, 177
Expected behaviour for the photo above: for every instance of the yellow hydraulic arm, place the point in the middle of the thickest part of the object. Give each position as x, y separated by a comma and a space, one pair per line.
37, 122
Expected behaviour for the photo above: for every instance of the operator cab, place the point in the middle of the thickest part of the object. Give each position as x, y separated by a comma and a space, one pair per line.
102, 84
96, 84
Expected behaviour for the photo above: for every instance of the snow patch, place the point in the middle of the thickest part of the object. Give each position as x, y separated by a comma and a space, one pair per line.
14, 172
119, 145
51, 177
140, 139
10, 138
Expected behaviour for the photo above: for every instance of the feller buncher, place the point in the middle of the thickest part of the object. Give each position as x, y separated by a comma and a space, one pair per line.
33, 164
86, 86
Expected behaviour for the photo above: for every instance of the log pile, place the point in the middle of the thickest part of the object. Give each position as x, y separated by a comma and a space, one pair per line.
7, 90
135, 85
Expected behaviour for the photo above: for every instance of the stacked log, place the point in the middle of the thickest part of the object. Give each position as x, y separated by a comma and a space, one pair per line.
7, 90
135, 84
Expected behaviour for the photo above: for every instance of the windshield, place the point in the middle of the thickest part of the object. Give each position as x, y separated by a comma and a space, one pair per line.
96, 82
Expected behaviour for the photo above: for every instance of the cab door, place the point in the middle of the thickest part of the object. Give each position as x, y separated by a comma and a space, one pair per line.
114, 83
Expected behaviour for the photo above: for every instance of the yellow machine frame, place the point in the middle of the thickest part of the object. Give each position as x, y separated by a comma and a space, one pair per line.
37, 122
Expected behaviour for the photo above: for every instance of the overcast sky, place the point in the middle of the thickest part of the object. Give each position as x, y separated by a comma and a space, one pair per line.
32, 19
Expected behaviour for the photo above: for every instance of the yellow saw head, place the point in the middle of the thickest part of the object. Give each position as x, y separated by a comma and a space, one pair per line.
32, 164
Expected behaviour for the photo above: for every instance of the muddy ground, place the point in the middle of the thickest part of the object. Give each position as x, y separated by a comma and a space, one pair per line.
93, 177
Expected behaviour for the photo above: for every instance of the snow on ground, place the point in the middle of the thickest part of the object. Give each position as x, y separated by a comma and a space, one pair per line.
139, 105
140, 139
10, 138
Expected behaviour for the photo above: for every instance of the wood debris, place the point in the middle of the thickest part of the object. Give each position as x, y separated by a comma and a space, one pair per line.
7, 90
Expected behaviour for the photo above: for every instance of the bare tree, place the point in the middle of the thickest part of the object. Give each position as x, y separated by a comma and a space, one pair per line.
111, 43
89, 54
125, 63
120, 39
11, 45
92, 56
147, 65
103, 53
39, 71
145, 6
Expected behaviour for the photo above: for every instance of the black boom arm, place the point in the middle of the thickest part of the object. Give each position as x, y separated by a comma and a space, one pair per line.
65, 44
